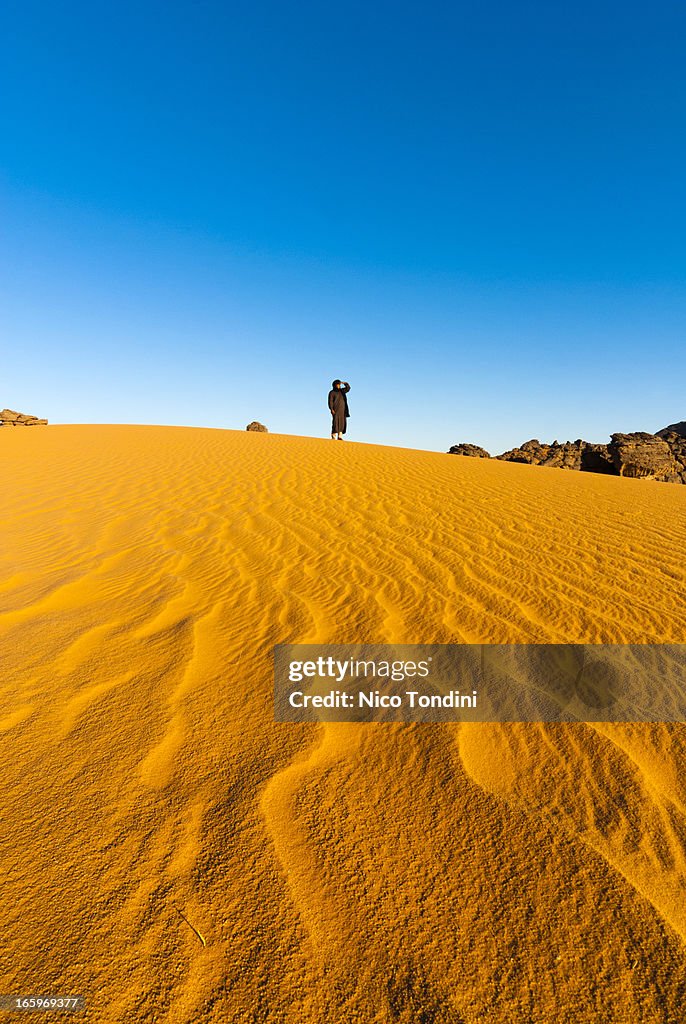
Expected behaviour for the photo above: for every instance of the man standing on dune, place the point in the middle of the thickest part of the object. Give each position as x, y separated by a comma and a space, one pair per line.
338, 407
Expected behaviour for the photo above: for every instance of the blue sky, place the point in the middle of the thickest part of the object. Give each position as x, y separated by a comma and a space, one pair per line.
474, 212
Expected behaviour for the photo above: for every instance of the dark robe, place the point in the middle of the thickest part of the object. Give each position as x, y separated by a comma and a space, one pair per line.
338, 406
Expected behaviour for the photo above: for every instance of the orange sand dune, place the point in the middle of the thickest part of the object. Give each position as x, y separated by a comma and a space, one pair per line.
336, 873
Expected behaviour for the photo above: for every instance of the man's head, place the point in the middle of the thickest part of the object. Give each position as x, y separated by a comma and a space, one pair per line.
337, 383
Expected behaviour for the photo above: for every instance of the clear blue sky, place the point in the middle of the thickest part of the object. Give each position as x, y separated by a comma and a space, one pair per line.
474, 212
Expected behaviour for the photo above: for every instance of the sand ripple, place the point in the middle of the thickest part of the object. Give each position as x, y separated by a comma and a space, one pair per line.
380, 873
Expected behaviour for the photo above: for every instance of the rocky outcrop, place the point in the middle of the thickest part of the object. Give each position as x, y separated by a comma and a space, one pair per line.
259, 427
564, 456
595, 458
677, 442
647, 456
673, 428
10, 418
579, 455
472, 450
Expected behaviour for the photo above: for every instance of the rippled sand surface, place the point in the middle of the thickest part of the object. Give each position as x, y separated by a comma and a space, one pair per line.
169, 852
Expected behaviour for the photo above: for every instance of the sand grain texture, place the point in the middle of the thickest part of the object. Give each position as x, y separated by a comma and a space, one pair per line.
337, 873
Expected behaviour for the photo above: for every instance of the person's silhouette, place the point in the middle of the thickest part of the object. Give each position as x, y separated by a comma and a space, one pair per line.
338, 407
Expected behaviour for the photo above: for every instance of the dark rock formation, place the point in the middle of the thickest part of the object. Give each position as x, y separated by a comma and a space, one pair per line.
259, 427
644, 455
580, 455
469, 449
649, 456
673, 428
10, 418
677, 442
564, 456
595, 458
